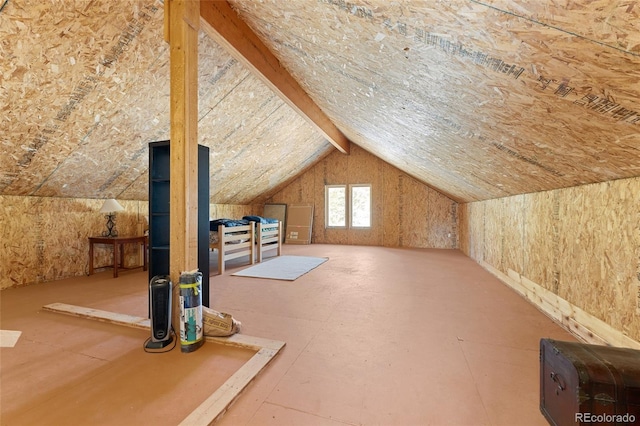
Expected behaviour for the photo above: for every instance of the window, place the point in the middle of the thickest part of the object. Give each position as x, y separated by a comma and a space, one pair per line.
336, 206
355, 205
360, 206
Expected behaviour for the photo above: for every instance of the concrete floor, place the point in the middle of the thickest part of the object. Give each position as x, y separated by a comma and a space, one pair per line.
374, 336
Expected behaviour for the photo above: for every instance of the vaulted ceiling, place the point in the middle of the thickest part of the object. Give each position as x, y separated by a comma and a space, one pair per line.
478, 99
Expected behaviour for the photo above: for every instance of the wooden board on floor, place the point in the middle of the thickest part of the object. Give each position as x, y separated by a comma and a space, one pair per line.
299, 224
218, 402
276, 211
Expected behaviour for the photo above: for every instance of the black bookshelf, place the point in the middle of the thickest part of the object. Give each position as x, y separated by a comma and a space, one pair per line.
159, 212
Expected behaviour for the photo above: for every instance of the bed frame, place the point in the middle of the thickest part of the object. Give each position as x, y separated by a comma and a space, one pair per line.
269, 237
251, 240
234, 242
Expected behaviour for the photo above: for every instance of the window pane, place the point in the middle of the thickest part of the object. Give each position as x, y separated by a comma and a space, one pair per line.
336, 210
361, 206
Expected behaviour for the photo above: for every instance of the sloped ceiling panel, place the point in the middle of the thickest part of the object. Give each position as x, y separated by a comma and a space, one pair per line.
257, 141
86, 100
84, 87
478, 99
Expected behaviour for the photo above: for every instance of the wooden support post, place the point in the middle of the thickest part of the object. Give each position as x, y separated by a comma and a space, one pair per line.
184, 22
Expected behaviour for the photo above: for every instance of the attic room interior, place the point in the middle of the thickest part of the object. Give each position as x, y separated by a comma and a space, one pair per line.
499, 142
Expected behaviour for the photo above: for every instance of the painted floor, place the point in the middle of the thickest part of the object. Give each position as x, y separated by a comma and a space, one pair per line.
374, 336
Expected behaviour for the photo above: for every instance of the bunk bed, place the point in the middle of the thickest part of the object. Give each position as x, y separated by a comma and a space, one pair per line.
268, 235
232, 238
250, 236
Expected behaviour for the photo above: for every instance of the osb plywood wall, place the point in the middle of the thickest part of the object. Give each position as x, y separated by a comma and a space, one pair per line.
581, 244
45, 239
233, 211
405, 212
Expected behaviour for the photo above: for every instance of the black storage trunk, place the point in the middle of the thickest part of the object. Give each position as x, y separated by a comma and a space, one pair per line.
589, 384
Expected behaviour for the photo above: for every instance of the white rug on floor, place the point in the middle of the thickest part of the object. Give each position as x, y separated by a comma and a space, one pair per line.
9, 338
287, 268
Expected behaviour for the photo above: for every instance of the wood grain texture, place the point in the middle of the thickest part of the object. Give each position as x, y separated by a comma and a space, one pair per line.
224, 26
534, 93
95, 95
46, 239
405, 212
580, 244
478, 99
183, 206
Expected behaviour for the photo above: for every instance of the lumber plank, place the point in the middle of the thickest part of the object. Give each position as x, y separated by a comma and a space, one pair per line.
220, 400
580, 323
100, 315
215, 406
237, 340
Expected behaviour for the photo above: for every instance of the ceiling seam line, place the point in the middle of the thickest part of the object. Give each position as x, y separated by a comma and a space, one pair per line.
226, 95
506, 12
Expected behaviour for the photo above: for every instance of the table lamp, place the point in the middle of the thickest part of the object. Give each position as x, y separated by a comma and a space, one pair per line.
110, 207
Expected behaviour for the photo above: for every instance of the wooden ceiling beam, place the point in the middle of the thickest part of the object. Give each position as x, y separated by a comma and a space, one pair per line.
225, 27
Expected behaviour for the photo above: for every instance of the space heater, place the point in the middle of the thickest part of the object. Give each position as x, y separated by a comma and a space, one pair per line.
160, 289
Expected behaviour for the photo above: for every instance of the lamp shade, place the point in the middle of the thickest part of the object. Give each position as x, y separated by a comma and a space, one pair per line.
110, 206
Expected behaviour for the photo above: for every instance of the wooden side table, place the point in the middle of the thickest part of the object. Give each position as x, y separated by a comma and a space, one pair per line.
118, 251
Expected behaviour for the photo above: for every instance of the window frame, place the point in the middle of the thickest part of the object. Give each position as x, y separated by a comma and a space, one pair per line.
348, 205
326, 206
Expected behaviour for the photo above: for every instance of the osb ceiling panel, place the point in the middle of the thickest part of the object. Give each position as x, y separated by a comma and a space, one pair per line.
478, 99
257, 141
84, 87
